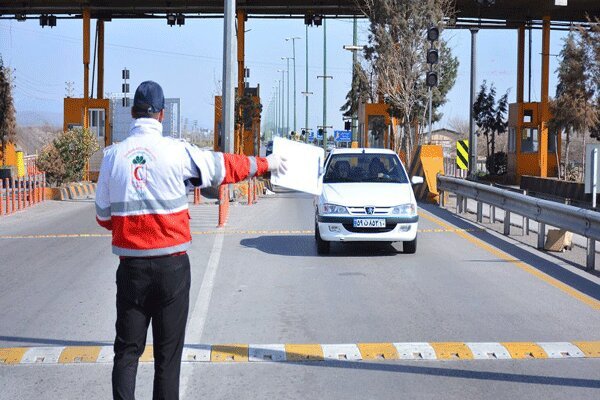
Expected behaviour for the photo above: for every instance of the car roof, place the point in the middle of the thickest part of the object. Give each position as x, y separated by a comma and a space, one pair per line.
362, 150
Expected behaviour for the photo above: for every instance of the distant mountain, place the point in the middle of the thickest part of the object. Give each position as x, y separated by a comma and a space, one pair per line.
39, 118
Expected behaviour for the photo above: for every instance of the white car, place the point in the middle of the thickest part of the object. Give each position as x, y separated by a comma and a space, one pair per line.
366, 197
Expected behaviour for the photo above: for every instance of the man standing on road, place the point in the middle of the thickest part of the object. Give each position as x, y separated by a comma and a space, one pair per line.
141, 197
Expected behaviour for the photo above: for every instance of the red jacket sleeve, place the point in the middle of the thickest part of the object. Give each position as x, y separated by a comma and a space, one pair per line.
239, 167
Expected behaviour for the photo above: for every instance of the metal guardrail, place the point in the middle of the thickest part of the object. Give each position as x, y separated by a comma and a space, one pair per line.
573, 219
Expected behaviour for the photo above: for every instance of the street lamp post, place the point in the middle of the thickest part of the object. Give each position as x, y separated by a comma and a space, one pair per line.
293, 39
325, 77
287, 127
306, 93
282, 93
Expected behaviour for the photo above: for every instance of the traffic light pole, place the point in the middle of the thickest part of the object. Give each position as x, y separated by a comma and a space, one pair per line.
472, 172
354, 62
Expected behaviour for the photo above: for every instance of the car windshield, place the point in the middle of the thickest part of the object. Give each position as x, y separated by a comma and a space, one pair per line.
365, 167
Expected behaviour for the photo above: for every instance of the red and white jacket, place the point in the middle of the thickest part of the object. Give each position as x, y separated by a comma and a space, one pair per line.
141, 195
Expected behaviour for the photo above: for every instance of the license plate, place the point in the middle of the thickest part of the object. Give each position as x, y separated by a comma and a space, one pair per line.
369, 223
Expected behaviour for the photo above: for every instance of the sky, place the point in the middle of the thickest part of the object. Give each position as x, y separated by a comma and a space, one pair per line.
187, 62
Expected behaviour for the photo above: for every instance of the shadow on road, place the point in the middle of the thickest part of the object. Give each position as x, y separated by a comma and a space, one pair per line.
304, 246
33, 342
548, 267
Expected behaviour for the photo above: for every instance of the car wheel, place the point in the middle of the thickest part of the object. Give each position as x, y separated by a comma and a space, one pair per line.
323, 246
409, 247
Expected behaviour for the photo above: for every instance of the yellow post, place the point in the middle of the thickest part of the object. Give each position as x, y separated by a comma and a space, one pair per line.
20, 164
545, 111
241, 39
86, 64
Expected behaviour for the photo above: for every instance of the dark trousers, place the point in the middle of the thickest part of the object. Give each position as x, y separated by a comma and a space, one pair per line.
157, 290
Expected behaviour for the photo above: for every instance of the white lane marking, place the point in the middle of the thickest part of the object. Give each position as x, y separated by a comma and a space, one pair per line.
341, 352
266, 352
42, 355
415, 351
196, 322
488, 351
561, 350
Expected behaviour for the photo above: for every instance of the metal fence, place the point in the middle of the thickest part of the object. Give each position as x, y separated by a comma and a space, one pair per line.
573, 219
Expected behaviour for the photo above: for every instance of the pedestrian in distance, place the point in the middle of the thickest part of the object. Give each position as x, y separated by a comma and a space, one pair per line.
142, 198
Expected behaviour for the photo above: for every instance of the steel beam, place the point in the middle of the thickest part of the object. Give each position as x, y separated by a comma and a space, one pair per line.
545, 109
229, 47
472, 136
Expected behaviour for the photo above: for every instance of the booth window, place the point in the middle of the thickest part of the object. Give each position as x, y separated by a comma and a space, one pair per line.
96, 118
377, 128
512, 140
529, 140
552, 138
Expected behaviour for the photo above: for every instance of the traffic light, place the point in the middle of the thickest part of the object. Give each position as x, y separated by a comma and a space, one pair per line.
432, 57
347, 125
431, 79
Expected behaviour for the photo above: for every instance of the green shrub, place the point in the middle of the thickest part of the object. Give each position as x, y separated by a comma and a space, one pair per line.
64, 160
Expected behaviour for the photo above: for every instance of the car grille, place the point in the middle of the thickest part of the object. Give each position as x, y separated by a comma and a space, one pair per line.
351, 228
363, 210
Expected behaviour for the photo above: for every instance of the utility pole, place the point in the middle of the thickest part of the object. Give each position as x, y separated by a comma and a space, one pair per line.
293, 39
325, 77
282, 93
306, 93
229, 50
287, 127
472, 137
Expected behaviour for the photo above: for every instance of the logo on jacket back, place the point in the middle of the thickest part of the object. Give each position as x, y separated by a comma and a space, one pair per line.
139, 172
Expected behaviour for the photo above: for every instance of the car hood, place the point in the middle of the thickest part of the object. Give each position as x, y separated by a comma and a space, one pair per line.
367, 194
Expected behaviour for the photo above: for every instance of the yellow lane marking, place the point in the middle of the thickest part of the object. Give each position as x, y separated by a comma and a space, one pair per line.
378, 351
229, 352
215, 232
148, 354
521, 350
304, 352
452, 351
77, 354
576, 294
12, 355
590, 349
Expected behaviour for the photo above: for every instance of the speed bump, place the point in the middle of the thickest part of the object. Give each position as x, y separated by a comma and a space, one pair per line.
359, 352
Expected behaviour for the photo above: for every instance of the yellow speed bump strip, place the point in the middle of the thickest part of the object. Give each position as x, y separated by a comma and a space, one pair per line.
215, 232
360, 352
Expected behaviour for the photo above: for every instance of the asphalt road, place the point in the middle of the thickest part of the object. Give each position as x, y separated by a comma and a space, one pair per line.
259, 280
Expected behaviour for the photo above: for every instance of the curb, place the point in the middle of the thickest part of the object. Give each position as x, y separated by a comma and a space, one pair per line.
434, 351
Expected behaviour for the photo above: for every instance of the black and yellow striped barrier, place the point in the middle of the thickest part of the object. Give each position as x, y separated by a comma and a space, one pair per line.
462, 154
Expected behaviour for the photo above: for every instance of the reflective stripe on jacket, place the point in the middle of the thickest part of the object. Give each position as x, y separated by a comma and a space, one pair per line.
141, 195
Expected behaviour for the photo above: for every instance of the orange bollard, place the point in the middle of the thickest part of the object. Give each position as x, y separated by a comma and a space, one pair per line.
7, 196
197, 196
35, 189
29, 192
250, 192
23, 190
14, 196
223, 204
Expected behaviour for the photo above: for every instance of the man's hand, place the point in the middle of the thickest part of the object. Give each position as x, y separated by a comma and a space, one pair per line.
277, 164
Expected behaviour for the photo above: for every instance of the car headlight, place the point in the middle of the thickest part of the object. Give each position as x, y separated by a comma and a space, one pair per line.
405, 209
333, 209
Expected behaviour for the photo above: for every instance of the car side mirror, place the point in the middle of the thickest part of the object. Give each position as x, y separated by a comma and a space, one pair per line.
416, 180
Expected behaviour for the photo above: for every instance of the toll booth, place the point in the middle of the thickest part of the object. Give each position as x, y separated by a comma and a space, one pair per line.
95, 113
247, 136
374, 125
524, 127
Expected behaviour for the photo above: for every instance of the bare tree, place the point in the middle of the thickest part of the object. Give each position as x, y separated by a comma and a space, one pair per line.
397, 48
460, 125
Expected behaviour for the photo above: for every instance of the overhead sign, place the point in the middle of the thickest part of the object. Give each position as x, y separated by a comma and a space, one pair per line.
311, 136
342, 136
462, 154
